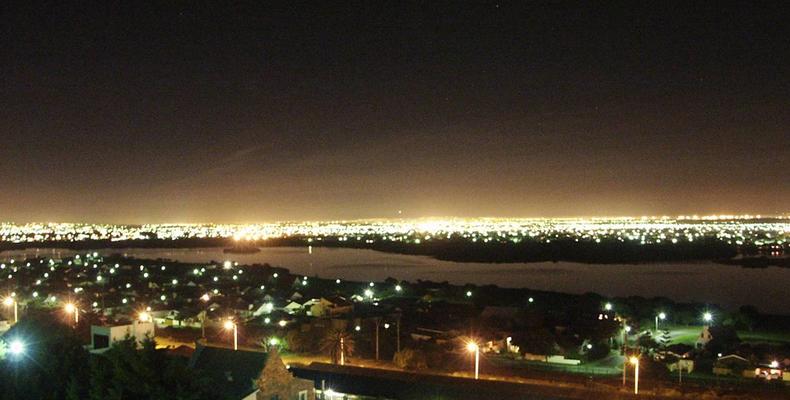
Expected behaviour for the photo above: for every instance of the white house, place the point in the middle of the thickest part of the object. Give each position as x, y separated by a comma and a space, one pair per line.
103, 337
292, 307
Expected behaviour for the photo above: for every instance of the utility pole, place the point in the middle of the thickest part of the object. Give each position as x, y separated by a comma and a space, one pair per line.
680, 373
342, 351
398, 332
377, 321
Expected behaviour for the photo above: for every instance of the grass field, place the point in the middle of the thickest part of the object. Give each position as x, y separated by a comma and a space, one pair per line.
688, 335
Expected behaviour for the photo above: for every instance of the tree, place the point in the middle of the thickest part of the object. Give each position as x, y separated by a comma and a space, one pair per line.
665, 339
126, 372
599, 350
54, 357
337, 343
410, 359
536, 341
647, 343
297, 341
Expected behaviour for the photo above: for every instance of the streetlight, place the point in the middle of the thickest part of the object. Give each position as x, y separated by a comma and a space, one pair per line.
8, 302
661, 316
626, 329
16, 347
205, 298
608, 306
635, 362
472, 347
707, 316
229, 324
70, 308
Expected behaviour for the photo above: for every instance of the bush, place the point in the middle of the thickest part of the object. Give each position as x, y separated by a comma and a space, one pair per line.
410, 359
598, 351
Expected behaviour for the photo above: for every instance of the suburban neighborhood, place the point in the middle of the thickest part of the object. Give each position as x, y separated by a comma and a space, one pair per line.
255, 329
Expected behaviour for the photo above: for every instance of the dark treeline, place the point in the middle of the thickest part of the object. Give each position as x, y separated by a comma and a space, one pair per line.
457, 249
55, 366
605, 252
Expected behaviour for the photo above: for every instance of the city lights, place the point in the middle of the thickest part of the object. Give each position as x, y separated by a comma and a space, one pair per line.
733, 229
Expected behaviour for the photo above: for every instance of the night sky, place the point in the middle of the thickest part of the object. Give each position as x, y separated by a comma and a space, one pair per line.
188, 112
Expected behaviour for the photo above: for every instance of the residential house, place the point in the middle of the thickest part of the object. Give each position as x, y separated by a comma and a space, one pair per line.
104, 336
329, 306
292, 307
732, 364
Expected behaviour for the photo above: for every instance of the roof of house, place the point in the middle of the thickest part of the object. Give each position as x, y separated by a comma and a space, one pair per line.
233, 371
407, 385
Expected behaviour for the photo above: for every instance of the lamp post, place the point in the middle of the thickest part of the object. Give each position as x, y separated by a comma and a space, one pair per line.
626, 329
70, 308
342, 351
397, 332
707, 317
8, 302
661, 316
229, 324
377, 321
635, 363
472, 347
205, 298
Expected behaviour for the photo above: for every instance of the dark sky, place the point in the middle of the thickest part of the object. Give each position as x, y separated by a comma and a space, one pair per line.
187, 112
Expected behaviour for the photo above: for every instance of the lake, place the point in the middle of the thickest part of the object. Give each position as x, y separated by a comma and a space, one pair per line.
727, 285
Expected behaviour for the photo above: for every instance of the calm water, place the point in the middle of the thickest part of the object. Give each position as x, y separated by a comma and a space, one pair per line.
729, 286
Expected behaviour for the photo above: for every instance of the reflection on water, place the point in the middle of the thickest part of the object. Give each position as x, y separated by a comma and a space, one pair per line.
727, 285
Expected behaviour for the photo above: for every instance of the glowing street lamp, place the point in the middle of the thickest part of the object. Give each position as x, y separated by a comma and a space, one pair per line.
707, 317
8, 302
626, 330
70, 308
660, 317
635, 362
16, 347
608, 306
144, 316
472, 347
229, 324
